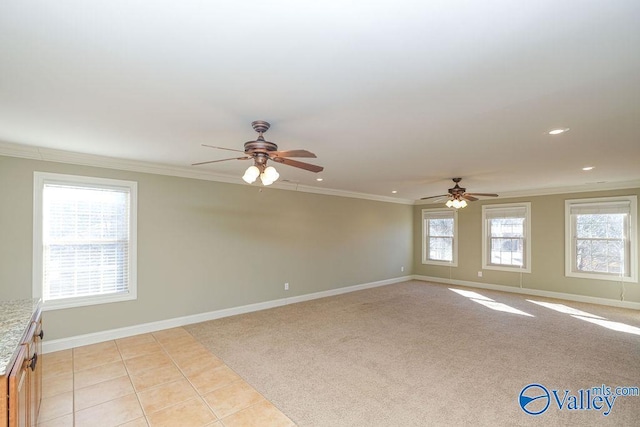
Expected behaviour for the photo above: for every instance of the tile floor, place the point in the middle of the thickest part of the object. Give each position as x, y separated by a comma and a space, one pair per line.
165, 378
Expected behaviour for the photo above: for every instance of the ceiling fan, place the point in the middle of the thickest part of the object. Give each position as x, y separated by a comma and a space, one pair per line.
458, 196
262, 150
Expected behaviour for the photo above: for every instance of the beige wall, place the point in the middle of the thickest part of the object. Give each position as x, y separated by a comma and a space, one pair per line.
205, 246
547, 250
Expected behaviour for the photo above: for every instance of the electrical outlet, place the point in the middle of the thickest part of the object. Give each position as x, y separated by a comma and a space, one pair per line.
402, 268
286, 286
479, 273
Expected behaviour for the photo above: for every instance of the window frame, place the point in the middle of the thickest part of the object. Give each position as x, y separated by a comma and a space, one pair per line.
486, 240
631, 247
39, 182
425, 236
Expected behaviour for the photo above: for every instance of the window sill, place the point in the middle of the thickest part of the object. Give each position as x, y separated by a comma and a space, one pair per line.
596, 276
441, 263
86, 301
506, 268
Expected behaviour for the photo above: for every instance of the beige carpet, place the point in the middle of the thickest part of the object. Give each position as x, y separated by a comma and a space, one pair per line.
419, 354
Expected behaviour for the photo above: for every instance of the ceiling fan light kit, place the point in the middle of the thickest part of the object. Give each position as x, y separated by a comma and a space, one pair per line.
251, 174
455, 203
261, 151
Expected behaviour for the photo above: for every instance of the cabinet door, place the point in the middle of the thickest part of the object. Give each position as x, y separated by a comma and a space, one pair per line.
19, 390
35, 389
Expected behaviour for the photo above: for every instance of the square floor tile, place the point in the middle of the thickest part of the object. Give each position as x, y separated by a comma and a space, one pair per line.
140, 364
56, 406
203, 362
179, 341
102, 392
232, 398
98, 374
192, 413
190, 350
52, 386
112, 413
93, 349
64, 421
135, 340
143, 349
167, 335
56, 367
166, 395
206, 381
57, 356
261, 414
155, 377
87, 360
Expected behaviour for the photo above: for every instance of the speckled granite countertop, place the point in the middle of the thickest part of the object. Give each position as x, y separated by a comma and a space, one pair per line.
14, 321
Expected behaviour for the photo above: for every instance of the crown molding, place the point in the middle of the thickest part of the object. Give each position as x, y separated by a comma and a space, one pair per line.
70, 157
584, 188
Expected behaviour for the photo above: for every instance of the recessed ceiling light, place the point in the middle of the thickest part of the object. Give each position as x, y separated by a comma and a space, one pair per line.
587, 168
394, 191
558, 131
319, 179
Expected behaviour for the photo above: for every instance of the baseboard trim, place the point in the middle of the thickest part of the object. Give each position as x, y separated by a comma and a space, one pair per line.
338, 291
112, 334
532, 292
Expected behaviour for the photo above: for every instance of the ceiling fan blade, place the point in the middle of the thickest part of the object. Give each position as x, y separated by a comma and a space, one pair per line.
291, 153
433, 197
221, 160
482, 194
439, 200
222, 148
297, 164
469, 197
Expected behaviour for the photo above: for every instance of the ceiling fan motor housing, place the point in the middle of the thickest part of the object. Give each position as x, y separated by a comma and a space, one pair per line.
260, 145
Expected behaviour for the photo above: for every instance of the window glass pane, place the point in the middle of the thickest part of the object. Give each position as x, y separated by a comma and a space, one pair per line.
441, 248
441, 227
600, 256
507, 251
600, 226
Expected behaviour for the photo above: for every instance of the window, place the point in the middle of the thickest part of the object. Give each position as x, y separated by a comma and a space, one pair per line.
506, 231
601, 238
440, 237
84, 240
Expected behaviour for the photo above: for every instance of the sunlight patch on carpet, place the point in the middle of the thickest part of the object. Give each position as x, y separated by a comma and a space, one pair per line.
489, 303
615, 326
498, 306
470, 294
565, 309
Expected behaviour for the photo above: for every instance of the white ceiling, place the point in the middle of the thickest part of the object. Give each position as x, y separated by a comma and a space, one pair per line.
391, 95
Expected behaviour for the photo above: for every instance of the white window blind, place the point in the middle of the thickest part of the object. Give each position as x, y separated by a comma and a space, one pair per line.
603, 208
501, 213
86, 239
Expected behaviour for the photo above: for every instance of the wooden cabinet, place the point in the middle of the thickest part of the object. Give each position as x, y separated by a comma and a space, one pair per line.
19, 390
23, 380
